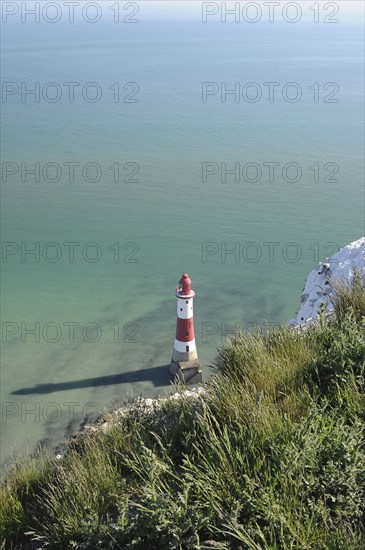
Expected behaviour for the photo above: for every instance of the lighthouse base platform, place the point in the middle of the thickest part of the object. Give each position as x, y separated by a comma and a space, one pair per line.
188, 372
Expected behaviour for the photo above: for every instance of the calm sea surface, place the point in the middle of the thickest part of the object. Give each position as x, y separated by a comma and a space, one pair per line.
98, 293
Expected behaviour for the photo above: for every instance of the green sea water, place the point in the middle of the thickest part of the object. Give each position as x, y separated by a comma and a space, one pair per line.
103, 318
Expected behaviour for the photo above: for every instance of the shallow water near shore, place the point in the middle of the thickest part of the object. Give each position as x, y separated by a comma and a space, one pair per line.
90, 316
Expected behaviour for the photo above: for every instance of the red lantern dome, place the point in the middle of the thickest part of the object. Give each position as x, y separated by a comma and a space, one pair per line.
185, 284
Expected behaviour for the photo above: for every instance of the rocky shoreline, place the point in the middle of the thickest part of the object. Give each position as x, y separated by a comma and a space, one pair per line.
140, 405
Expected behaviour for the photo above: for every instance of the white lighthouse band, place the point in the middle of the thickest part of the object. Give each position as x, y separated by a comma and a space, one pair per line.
185, 347
185, 306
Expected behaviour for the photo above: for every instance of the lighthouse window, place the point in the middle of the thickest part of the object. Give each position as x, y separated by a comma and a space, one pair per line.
187, 301
181, 309
187, 333
187, 348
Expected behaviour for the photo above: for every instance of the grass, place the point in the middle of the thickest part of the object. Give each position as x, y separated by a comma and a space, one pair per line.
272, 457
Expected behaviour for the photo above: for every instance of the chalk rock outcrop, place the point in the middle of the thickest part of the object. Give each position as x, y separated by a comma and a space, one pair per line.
318, 289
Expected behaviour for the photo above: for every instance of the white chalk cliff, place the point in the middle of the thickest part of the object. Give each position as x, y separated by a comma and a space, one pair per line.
318, 289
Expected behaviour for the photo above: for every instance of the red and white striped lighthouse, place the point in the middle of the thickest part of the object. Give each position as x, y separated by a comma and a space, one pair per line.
185, 360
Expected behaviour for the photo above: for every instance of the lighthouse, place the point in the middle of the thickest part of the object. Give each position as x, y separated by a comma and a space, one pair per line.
185, 363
